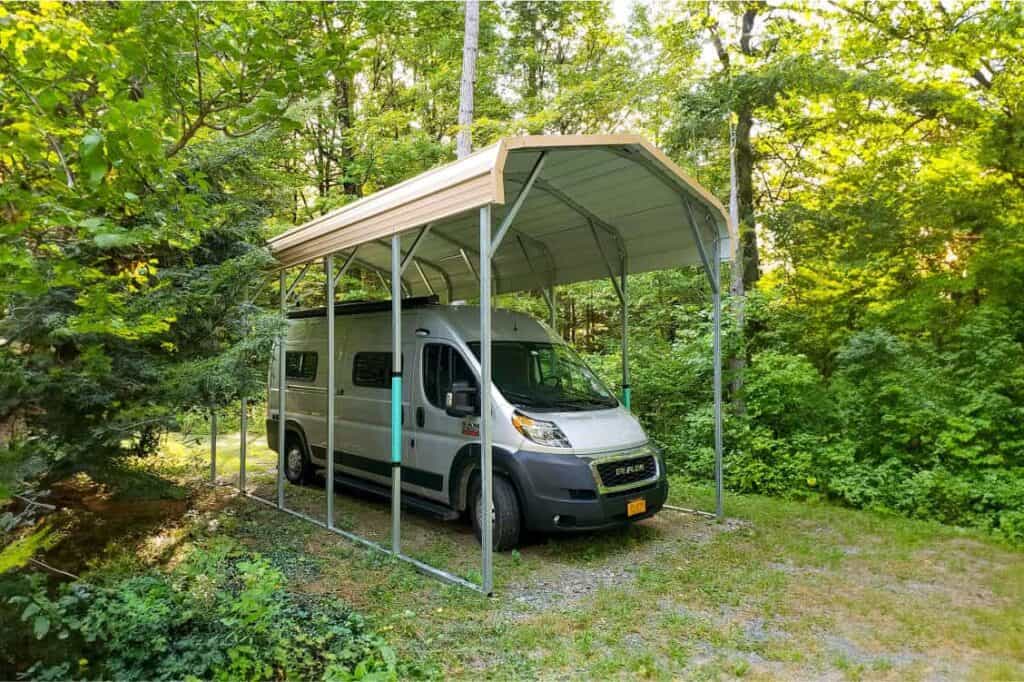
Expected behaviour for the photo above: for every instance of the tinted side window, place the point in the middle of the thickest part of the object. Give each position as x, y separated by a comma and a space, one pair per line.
372, 370
300, 365
442, 366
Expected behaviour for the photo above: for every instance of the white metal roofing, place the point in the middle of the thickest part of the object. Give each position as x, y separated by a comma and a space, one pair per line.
590, 188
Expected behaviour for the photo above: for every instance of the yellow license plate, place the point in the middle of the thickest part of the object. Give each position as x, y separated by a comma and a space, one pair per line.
634, 507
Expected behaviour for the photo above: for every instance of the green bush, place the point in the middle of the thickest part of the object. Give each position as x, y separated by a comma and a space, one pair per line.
221, 614
904, 425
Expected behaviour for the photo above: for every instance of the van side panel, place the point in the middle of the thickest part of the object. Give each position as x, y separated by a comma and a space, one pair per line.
303, 403
363, 426
314, 414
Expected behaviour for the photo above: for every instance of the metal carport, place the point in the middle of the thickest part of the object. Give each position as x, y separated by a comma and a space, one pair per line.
526, 213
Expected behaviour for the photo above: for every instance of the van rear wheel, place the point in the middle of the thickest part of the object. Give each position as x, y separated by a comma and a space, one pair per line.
297, 467
505, 516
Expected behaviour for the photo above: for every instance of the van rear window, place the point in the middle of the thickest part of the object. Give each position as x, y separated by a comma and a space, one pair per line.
372, 370
300, 365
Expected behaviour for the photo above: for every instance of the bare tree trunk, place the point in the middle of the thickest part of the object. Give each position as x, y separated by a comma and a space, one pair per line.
750, 264
344, 103
464, 142
746, 269
572, 321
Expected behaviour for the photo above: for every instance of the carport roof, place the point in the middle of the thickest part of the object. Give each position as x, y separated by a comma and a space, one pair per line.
596, 198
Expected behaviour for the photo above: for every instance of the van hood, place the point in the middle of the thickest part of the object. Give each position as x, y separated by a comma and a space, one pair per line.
596, 431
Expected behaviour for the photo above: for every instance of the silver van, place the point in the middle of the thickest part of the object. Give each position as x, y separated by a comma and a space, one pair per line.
567, 455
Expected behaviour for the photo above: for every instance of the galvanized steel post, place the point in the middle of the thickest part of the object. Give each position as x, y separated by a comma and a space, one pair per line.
281, 390
554, 308
627, 391
486, 512
396, 394
213, 445
331, 390
242, 443
717, 352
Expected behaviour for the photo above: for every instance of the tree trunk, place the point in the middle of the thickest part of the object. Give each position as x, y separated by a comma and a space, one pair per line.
746, 270
464, 142
572, 321
747, 251
344, 105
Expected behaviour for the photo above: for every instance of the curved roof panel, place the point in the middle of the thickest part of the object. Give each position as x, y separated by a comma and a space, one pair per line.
595, 198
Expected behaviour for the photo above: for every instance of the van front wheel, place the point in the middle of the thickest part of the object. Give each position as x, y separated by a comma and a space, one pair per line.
505, 514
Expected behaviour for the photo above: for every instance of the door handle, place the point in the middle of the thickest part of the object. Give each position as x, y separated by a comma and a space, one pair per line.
421, 417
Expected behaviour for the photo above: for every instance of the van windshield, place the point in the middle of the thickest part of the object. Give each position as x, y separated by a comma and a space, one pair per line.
545, 376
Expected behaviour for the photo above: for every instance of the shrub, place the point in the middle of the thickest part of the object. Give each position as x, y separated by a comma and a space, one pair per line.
901, 425
222, 614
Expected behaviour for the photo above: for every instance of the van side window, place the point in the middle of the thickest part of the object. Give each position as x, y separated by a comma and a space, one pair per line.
372, 370
300, 365
442, 366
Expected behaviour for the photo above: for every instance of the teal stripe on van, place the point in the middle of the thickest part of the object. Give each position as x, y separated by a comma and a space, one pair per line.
396, 419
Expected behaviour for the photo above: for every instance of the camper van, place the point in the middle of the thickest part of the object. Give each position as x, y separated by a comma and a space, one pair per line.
567, 455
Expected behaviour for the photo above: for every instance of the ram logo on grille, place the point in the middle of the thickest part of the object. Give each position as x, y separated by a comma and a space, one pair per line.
629, 469
618, 473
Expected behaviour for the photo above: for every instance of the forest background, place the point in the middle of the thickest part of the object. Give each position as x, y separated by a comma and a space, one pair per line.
148, 150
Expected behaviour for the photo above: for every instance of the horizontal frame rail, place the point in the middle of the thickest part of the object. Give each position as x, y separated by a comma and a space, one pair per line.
420, 566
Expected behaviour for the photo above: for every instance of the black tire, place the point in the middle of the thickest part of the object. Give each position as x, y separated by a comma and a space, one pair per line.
297, 467
507, 518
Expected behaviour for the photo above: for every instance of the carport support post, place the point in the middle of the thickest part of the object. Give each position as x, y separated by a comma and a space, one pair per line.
553, 304
213, 445
486, 520
329, 278
716, 294
281, 390
627, 391
243, 418
396, 394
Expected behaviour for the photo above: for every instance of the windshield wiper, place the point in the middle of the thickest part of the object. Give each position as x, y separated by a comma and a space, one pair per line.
569, 403
524, 399
588, 400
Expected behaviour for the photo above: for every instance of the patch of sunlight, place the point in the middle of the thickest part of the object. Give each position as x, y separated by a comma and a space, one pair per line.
162, 544
18, 553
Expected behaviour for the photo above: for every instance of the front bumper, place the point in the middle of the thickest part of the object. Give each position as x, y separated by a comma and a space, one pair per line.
560, 493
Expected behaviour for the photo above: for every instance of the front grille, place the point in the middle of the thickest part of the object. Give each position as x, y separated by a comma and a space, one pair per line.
625, 471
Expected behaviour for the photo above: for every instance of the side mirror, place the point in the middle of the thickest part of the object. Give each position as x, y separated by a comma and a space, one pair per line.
461, 400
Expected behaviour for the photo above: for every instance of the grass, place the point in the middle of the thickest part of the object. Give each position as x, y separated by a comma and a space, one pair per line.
782, 590
18, 552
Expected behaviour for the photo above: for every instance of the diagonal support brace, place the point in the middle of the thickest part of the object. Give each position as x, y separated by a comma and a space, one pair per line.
349, 260
469, 264
295, 282
607, 263
711, 272
408, 257
518, 203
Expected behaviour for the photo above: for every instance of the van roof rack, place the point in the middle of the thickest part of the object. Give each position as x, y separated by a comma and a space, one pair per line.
355, 307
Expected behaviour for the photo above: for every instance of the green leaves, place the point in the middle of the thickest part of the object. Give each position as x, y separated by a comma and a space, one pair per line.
92, 160
40, 626
221, 614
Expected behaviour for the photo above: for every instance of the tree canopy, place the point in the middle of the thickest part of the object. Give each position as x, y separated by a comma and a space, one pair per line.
148, 150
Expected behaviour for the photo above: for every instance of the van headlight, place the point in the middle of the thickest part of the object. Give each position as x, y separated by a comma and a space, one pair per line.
540, 432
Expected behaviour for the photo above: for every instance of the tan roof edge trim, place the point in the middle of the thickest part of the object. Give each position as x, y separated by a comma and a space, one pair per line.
389, 190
